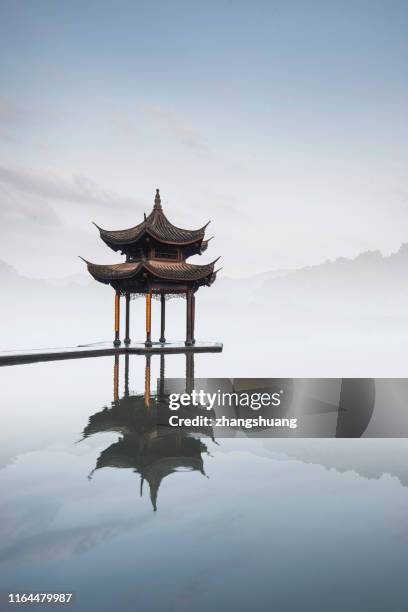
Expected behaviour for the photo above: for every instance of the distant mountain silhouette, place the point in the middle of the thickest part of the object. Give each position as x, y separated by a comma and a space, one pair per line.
9, 277
370, 271
370, 279
289, 307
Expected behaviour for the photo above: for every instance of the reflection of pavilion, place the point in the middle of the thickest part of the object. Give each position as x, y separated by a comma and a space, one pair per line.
152, 450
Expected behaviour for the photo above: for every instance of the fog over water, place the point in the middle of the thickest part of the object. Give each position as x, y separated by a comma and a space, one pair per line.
346, 317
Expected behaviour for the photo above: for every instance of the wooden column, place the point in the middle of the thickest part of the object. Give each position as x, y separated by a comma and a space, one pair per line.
163, 318
192, 318
127, 322
116, 342
188, 318
148, 319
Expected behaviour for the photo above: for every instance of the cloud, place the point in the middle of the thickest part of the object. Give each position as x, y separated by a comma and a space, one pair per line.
12, 118
17, 120
29, 201
77, 188
185, 133
24, 213
10, 112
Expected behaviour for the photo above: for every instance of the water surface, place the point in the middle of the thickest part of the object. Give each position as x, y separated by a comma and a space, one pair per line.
229, 524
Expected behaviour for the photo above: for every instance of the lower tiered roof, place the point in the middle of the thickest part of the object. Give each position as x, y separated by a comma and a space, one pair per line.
162, 270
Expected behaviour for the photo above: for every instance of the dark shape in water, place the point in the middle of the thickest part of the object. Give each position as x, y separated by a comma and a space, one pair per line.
152, 450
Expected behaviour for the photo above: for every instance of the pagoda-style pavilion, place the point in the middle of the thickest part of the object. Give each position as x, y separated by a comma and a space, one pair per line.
156, 252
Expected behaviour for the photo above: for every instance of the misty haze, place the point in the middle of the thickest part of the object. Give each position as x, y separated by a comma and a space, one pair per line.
345, 317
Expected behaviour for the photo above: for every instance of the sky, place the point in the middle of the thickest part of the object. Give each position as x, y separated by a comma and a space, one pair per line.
284, 123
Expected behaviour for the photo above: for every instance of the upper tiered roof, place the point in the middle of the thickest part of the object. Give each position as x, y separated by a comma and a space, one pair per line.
155, 225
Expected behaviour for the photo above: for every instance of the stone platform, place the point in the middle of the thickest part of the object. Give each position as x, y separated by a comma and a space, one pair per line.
101, 349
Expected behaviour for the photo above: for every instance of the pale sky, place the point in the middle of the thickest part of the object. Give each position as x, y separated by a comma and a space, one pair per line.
285, 123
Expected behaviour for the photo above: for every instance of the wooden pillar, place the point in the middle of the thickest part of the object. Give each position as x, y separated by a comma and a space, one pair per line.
188, 318
163, 318
116, 342
148, 319
127, 322
192, 318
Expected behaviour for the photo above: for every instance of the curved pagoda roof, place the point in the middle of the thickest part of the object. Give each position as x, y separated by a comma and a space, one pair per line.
164, 270
155, 225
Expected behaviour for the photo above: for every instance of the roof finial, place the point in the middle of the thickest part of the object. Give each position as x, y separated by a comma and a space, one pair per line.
157, 200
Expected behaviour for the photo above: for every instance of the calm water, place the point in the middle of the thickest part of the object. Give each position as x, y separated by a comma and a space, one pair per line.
230, 524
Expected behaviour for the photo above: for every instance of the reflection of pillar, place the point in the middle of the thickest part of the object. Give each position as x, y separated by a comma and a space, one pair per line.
117, 315
192, 318
126, 374
163, 317
116, 379
189, 372
188, 318
147, 381
127, 322
161, 379
148, 318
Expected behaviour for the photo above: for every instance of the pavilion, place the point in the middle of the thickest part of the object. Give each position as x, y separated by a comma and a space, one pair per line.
156, 252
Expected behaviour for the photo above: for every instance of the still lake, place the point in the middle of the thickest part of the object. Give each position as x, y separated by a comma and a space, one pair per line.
94, 502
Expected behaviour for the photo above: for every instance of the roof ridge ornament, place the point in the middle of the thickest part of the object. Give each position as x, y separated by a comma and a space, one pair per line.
157, 201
